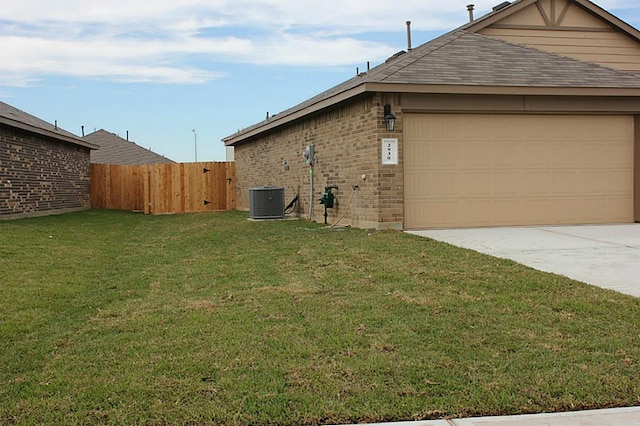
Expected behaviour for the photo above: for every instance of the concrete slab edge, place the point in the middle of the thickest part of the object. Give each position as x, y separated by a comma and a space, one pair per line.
627, 416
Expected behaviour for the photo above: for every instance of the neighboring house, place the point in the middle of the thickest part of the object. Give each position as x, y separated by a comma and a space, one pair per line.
115, 150
43, 169
529, 115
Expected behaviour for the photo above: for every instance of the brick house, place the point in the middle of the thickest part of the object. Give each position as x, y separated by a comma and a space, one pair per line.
43, 169
528, 115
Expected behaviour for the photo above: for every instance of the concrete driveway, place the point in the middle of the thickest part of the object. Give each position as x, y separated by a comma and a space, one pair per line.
604, 255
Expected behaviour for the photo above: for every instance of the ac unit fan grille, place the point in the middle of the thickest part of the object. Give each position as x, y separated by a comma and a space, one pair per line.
266, 202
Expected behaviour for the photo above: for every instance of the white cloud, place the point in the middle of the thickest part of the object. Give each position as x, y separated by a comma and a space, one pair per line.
169, 41
16, 79
310, 51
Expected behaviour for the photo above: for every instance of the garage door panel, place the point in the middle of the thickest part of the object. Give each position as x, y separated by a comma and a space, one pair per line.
506, 183
539, 183
477, 184
595, 209
566, 182
599, 181
505, 154
443, 184
622, 185
604, 182
495, 170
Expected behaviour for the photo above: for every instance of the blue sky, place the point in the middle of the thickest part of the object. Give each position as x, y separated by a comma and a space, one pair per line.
161, 68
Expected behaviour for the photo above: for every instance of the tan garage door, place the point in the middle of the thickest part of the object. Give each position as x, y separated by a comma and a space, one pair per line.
466, 170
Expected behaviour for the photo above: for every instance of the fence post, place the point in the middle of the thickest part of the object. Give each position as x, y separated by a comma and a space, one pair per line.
230, 168
146, 200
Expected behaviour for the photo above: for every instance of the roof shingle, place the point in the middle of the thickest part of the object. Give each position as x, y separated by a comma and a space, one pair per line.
115, 150
464, 58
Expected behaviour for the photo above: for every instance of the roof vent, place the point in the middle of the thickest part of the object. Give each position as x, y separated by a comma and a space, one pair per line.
395, 56
266, 202
501, 6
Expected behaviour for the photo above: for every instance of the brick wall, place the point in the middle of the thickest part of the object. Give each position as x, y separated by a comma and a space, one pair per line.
347, 142
40, 175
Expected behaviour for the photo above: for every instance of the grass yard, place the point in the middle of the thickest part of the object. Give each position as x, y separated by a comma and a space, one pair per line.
118, 318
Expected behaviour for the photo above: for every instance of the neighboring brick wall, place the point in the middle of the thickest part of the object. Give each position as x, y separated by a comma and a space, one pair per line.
40, 175
347, 141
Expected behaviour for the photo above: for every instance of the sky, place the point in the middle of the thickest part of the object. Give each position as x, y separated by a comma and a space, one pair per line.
180, 75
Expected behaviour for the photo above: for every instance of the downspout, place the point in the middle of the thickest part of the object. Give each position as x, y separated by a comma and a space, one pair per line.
311, 191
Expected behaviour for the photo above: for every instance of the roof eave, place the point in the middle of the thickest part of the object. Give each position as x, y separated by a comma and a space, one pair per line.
282, 119
431, 89
44, 132
501, 90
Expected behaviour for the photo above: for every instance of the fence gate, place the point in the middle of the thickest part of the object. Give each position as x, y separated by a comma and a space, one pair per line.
164, 188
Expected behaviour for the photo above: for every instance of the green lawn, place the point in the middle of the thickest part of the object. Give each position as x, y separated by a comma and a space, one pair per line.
119, 318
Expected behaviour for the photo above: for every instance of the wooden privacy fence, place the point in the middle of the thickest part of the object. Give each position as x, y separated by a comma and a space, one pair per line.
164, 188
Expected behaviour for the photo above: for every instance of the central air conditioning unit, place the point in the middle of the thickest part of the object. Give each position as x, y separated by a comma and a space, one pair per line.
266, 202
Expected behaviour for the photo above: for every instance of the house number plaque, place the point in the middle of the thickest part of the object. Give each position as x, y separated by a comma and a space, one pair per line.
389, 151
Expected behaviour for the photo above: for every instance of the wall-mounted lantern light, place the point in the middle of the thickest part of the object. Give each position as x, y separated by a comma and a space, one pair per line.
389, 118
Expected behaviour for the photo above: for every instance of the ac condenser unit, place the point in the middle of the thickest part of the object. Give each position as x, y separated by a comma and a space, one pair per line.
266, 202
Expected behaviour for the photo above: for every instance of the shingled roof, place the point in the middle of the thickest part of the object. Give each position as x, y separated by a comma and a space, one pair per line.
19, 119
468, 59
461, 62
116, 150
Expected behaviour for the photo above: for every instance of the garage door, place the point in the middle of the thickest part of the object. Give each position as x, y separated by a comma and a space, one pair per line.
467, 170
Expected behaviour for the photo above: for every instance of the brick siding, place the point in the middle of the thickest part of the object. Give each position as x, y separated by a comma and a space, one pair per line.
40, 175
347, 142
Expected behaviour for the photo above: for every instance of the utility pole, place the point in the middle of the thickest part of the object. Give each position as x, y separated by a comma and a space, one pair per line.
195, 144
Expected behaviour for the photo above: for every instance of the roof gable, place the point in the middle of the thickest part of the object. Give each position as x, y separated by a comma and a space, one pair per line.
572, 15
530, 16
573, 28
115, 150
553, 13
